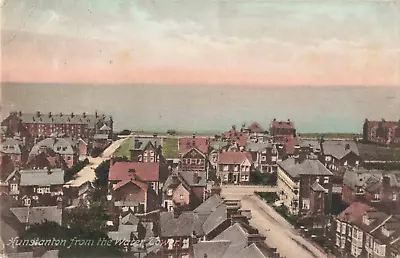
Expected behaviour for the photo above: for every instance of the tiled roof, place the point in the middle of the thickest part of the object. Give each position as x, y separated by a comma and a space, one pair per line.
232, 157
130, 219
282, 124
290, 144
120, 171
41, 177
317, 187
235, 136
305, 167
256, 128
32, 215
211, 249
141, 185
209, 205
354, 212
10, 146
58, 145
339, 149
186, 144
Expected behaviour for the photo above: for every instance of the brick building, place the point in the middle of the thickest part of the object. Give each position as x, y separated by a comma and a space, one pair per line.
382, 132
234, 167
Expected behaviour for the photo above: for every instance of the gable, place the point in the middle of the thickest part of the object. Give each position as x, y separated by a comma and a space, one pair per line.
194, 154
180, 190
130, 187
351, 155
246, 162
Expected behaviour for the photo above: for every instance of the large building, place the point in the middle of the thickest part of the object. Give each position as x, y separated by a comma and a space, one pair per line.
40, 125
382, 132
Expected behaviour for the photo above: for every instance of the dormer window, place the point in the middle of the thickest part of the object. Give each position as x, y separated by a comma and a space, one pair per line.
386, 232
376, 197
366, 220
169, 192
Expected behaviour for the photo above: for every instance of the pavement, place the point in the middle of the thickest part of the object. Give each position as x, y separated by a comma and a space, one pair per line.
228, 191
279, 233
88, 172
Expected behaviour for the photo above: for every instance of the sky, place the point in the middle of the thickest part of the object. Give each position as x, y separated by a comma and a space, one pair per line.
225, 42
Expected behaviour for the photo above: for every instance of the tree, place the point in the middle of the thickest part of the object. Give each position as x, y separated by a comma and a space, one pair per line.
71, 172
102, 173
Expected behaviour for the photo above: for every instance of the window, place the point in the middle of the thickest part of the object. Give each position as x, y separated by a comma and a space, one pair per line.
306, 204
328, 158
27, 202
345, 163
376, 196
226, 168
236, 168
47, 190
246, 178
181, 197
326, 180
40, 190
343, 228
151, 153
273, 158
169, 192
145, 153
337, 240
317, 179
243, 178
152, 159
263, 158
185, 243
394, 197
357, 162
14, 187
225, 177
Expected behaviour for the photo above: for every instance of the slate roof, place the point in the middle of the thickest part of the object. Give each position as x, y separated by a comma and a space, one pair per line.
187, 144
211, 249
32, 215
217, 217
233, 157
58, 145
219, 145
90, 119
317, 187
41, 177
188, 176
369, 180
354, 212
209, 205
237, 237
306, 167
315, 144
250, 251
10, 146
130, 219
339, 149
258, 146
120, 171
184, 225
142, 143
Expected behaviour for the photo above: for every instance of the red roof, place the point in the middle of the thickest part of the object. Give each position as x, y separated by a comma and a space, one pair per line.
121, 171
290, 143
384, 123
141, 185
354, 212
187, 144
238, 137
234, 157
282, 124
256, 127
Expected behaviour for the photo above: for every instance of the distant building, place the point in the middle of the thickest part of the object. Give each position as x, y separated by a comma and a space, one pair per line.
339, 155
193, 152
282, 128
39, 126
234, 167
382, 132
236, 138
265, 156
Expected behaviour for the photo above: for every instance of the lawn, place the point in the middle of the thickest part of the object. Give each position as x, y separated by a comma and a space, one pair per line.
123, 150
170, 148
269, 197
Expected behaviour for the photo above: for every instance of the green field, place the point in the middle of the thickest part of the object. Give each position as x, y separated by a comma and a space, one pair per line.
123, 150
170, 148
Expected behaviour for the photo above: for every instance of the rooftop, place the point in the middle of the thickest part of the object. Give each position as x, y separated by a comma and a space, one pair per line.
339, 149
42, 177
125, 170
32, 215
233, 157
305, 167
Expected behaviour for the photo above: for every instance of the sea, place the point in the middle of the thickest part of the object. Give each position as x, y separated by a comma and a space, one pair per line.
206, 109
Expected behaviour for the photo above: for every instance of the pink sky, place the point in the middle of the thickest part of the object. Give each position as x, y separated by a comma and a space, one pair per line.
118, 42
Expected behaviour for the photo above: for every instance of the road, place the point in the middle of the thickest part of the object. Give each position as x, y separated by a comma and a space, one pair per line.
279, 233
87, 173
239, 191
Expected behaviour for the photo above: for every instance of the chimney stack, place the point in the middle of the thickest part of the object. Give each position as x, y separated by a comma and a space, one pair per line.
38, 113
50, 115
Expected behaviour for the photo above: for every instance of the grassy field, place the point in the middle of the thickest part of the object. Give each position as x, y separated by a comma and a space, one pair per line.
123, 150
349, 136
170, 148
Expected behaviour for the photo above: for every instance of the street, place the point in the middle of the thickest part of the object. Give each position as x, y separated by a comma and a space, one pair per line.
279, 233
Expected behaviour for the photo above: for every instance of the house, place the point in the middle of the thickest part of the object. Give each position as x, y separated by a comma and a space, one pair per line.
236, 138
340, 154
255, 132
193, 152
10, 157
282, 128
145, 149
53, 152
179, 233
28, 216
363, 231
373, 186
234, 167
216, 147
379, 157
305, 188
39, 125
184, 189
43, 187
265, 156
381, 132
136, 183
310, 146
234, 242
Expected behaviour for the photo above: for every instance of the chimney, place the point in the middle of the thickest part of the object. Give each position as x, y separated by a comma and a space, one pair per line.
194, 136
96, 114
234, 128
347, 147
386, 181
20, 113
84, 114
274, 119
38, 113
61, 114
72, 114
